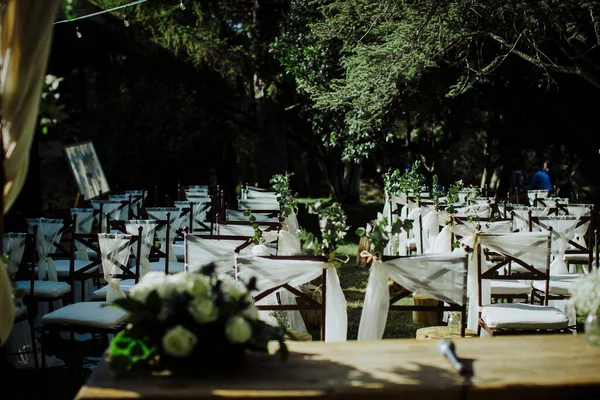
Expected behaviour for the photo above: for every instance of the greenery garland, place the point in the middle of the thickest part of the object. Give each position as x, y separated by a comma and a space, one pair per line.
285, 197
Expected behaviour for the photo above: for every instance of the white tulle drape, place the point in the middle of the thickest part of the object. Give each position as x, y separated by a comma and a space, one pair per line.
85, 220
123, 199
110, 207
116, 249
235, 215
199, 251
14, 248
563, 228
160, 213
48, 232
147, 238
271, 273
438, 276
258, 204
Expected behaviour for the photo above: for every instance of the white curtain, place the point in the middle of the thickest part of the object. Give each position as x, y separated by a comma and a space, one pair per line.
47, 234
147, 238
116, 249
85, 220
160, 213
272, 273
25, 41
438, 276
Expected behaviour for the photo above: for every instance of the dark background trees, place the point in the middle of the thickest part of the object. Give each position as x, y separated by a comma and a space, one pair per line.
335, 91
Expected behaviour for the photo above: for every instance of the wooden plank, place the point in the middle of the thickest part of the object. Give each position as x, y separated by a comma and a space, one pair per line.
517, 367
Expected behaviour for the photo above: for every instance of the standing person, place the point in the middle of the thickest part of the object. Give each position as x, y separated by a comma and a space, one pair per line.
564, 185
551, 173
539, 180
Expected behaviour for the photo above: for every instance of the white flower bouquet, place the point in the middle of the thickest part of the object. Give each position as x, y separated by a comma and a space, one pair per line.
585, 293
190, 323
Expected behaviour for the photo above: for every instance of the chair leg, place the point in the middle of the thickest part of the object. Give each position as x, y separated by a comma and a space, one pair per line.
43, 355
33, 344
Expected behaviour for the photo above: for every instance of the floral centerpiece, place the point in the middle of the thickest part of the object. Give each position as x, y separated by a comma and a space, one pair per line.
190, 323
585, 297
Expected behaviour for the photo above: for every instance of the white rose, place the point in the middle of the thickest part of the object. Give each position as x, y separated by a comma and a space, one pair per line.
238, 330
153, 278
233, 289
261, 250
177, 283
203, 310
179, 342
250, 313
140, 292
199, 285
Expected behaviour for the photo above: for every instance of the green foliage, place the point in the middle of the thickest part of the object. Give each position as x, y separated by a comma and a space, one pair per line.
333, 227
69, 7
380, 232
285, 197
362, 63
52, 112
257, 238
411, 181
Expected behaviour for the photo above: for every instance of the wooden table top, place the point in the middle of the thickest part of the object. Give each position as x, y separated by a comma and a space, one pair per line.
509, 367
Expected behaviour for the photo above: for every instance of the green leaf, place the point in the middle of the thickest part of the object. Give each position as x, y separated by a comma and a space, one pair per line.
361, 231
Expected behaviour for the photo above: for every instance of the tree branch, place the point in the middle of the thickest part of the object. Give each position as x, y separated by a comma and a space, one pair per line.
533, 60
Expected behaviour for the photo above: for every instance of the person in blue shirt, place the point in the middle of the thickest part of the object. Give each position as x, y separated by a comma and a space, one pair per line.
539, 180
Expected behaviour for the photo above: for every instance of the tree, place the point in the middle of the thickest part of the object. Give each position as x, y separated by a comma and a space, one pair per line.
366, 66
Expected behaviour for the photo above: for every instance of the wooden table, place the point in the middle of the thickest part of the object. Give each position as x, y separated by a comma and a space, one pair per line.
514, 367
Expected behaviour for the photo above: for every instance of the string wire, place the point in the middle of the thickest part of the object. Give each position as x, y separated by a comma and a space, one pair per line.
100, 12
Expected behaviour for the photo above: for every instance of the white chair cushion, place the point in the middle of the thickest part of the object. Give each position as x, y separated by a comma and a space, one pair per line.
90, 313
62, 267
509, 287
100, 294
523, 316
50, 289
174, 266
559, 284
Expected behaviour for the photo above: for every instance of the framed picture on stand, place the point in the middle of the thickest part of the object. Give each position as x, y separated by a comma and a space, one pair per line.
87, 170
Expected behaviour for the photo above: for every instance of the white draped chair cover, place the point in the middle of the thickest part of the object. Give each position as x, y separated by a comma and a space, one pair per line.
201, 206
184, 219
431, 230
258, 204
85, 221
138, 198
271, 273
439, 276
110, 207
581, 210
475, 210
124, 213
563, 228
14, 248
540, 194
235, 215
199, 252
115, 249
261, 195
469, 228
147, 238
48, 232
530, 247
160, 213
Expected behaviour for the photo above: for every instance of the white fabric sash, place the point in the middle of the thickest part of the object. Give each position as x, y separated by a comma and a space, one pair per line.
258, 204
115, 249
47, 234
438, 276
85, 220
160, 213
235, 215
14, 247
199, 252
110, 207
272, 273
148, 230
